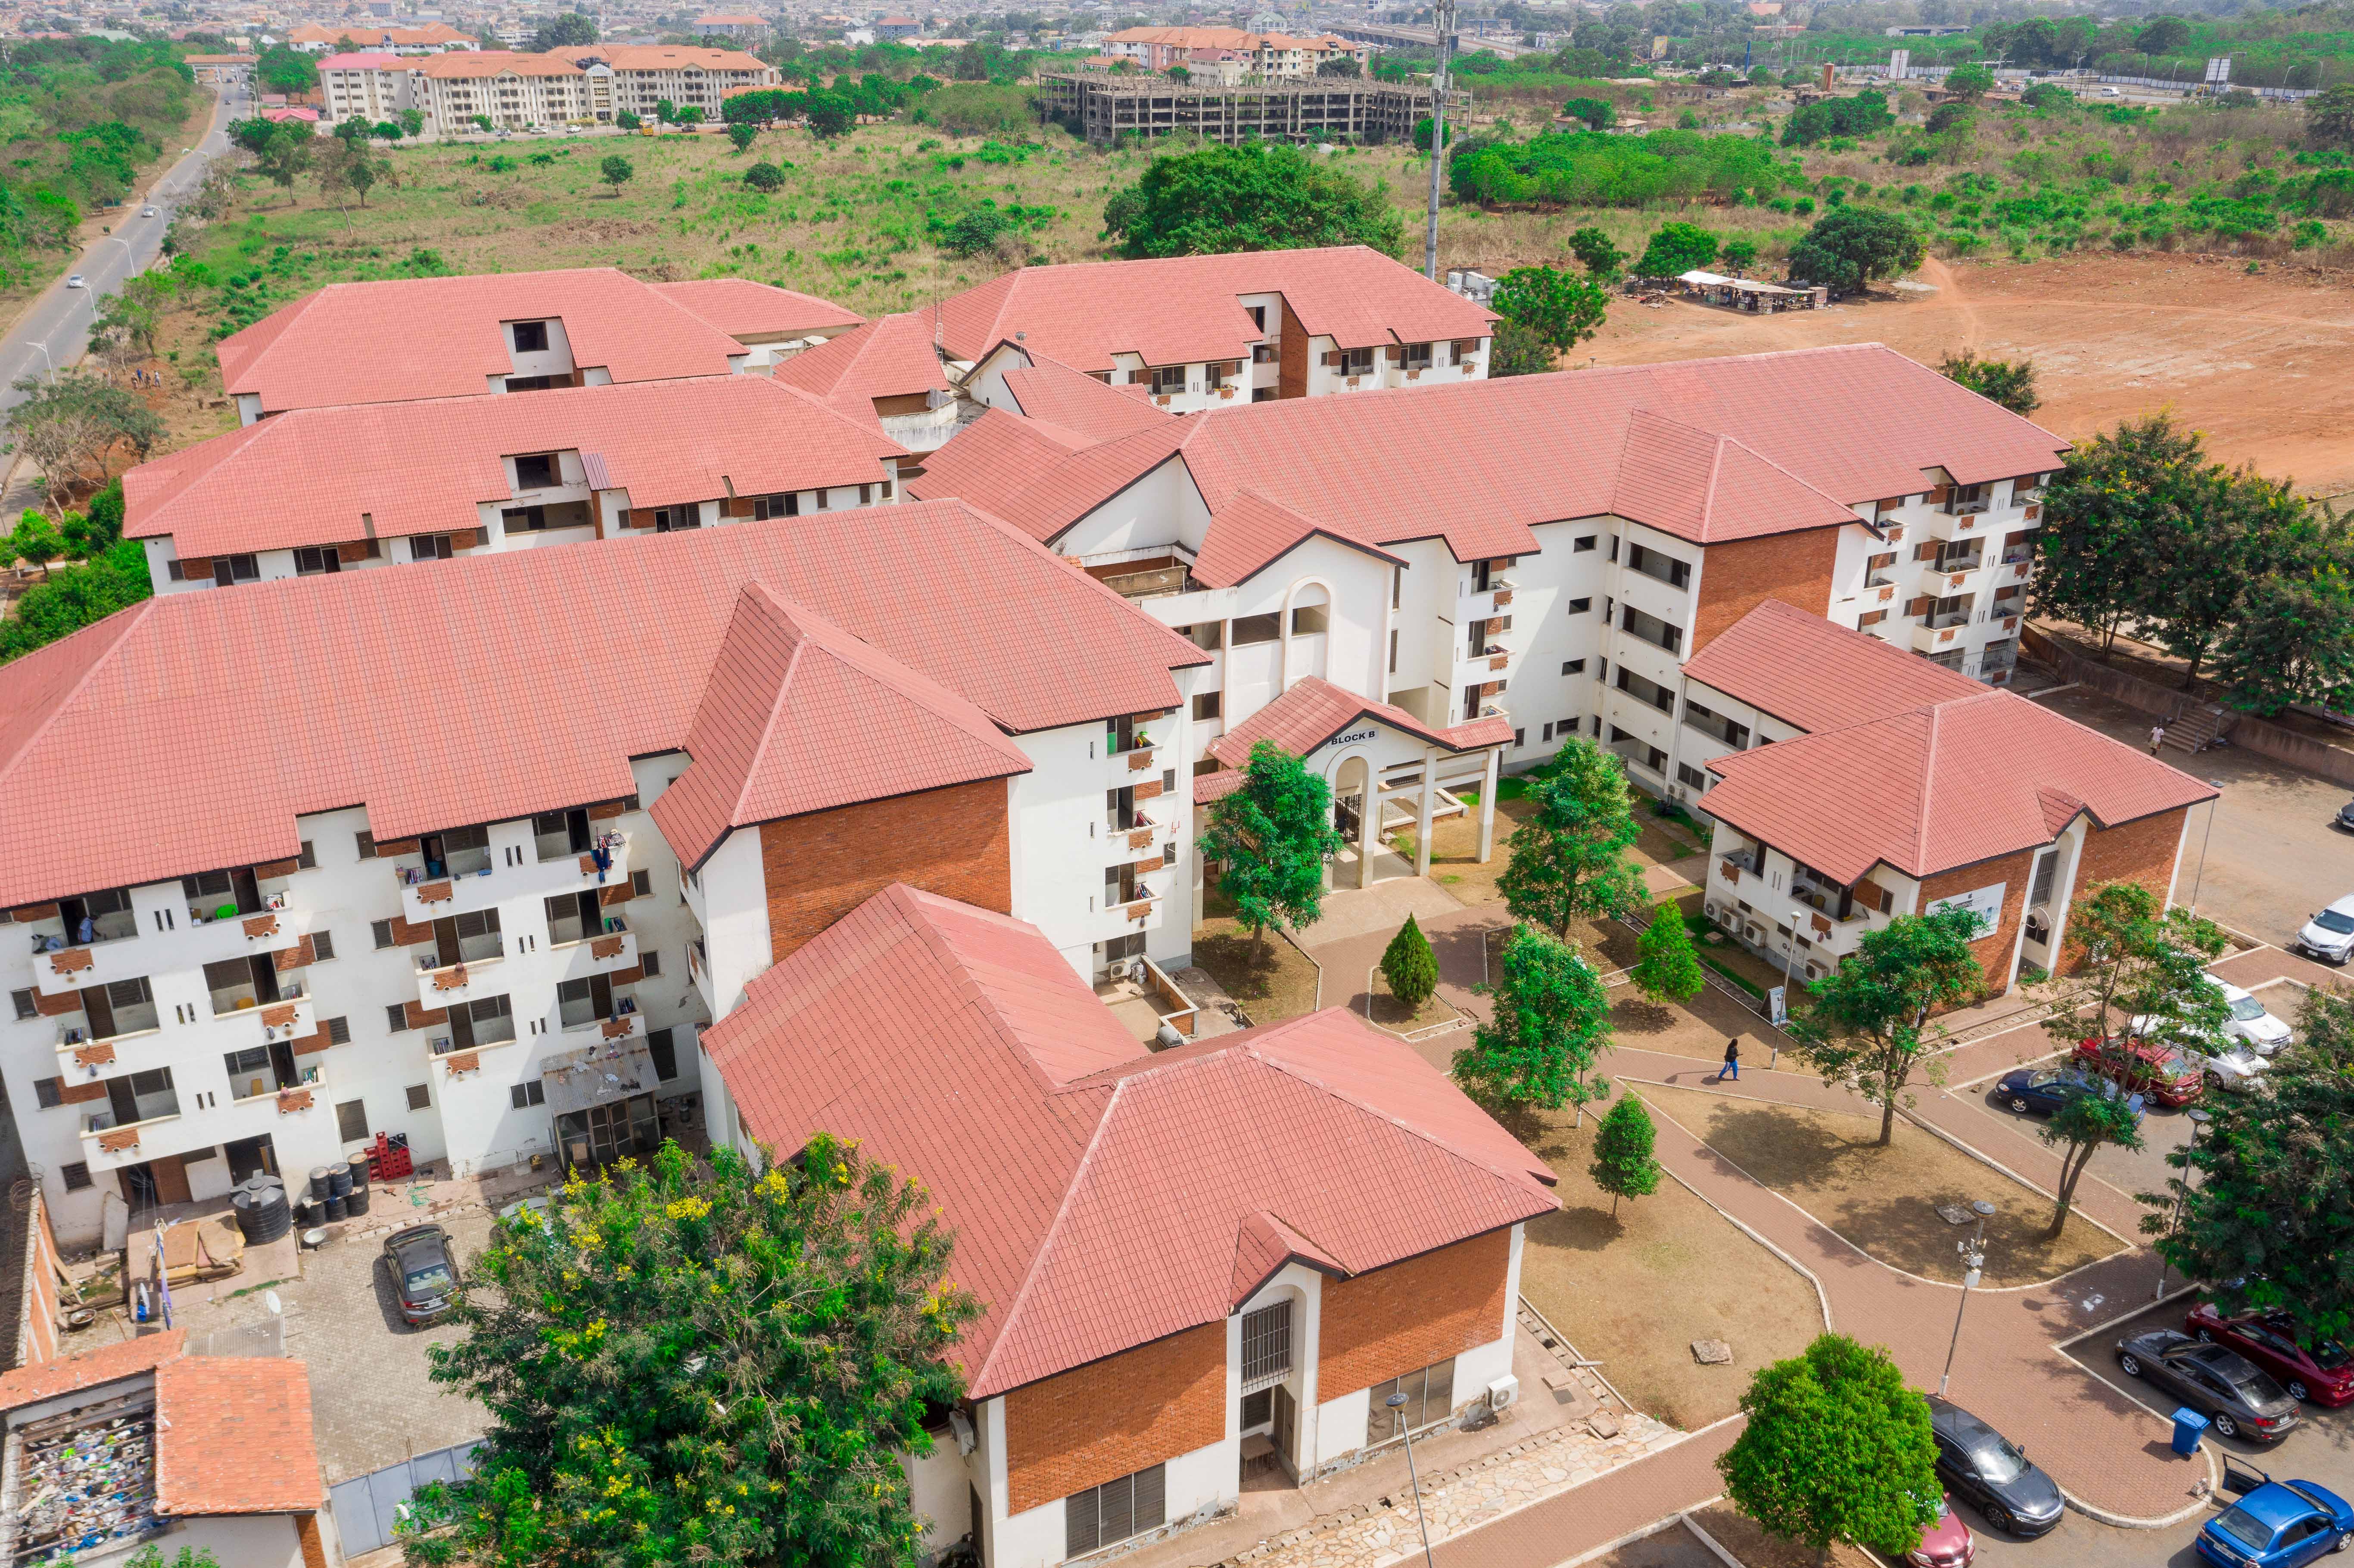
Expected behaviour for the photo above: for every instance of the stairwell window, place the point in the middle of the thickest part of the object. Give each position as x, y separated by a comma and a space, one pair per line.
1267, 1346
1429, 1398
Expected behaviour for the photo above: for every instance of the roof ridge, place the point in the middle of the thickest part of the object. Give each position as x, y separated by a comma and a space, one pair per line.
123, 620
1311, 1080
1053, 1234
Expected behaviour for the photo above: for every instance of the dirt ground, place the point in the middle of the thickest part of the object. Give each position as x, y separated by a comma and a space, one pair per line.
2256, 361
1634, 1290
1883, 1200
1272, 980
1740, 1534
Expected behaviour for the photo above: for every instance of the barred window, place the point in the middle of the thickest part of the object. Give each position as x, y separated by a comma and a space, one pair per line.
1112, 1512
1267, 1346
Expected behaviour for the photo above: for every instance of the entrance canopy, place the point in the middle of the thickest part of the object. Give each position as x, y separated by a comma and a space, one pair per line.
1315, 712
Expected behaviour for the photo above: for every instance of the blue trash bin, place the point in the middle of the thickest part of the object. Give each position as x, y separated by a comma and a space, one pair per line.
2188, 1428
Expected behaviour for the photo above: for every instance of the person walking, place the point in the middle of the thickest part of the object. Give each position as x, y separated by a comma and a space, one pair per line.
2157, 737
1732, 1069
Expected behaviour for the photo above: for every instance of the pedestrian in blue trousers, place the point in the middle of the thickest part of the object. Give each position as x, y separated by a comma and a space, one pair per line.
1731, 1061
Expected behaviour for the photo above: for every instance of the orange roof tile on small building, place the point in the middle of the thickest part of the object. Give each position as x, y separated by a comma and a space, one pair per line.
889, 358
125, 1358
1187, 310
958, 1045
1252, 533
1809, 672
744, 309
465, 65
1055, 394
233, 1436
1315, 710
185, 695
406, 338
1941, 786
219, 59
315, 476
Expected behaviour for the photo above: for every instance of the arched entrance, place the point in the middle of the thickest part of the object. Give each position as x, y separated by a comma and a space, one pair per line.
1356, 818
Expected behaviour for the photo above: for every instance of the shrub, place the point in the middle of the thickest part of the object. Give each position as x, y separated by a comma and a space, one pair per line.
1409, 965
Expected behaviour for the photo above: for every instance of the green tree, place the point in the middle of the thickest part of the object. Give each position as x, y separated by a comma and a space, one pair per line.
570, 31
286, 154
1666, 967
1738, 256
1868, 1028
1852, 245
741, 135
1257, 197
1550, 1019
2267, 1195
1339, 66
1970, 81
1836, 1447
616, 170
1566, 859
764, 176
35, 538
1422, 129
1598, 113
1560, 310
2235, 528
626, 121
2294, 642
693, 1362
2009, 382
1595, 252
1407, 963
1623, 1165
122, 327
976, 230
2162, 34
74, 425
829, 114
2329, 117
2138, 958
1675, 250
412, 121
2104, 514
1515, 350
72, 598
284, 69
1271, 838
2079, 1129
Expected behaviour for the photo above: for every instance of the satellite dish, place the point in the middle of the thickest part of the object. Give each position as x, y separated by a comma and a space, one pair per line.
277, 1308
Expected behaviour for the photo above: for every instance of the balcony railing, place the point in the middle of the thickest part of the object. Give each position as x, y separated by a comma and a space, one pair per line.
425, 898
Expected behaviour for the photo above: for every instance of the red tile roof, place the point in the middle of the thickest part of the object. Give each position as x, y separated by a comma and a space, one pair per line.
162, 739
1315, 710
233, 1435
1056, 395
890, 357
404, 338
1937, 787
47, 1380
801, 717
311, 476
1707, 450
666, 57
1253, 532
740, 307
1101, 1198
465, 65
1807, 672
361, 61
1187, 310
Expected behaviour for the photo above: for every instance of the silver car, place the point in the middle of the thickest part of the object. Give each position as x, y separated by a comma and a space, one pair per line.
2329, 936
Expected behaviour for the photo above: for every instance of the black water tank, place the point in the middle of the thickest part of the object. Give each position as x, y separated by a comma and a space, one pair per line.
319, 1181
357, 1202
338, 1208
339, 1179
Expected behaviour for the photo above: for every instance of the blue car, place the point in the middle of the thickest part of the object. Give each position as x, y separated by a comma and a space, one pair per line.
2281, 1524
2041, 1091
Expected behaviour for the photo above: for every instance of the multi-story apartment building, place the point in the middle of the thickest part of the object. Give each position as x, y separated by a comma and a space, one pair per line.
741, 28
433, 38
515, 332
319, 890
316, 492
889, 371
1129, 1375
497, 90
1852, 782
1406, 548
1274, 55
368, 86
643, 76
1202, 331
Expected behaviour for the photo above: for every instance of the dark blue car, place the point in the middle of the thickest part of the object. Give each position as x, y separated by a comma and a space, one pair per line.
2041, 1091
2281, 1524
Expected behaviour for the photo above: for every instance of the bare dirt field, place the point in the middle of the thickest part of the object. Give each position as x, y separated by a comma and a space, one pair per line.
2256, 361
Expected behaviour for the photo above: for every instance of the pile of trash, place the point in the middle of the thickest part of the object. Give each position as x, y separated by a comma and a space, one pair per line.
87, 1481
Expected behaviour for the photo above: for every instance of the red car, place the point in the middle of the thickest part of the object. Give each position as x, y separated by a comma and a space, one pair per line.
2158, 1073
1947, 1543
2323, 1374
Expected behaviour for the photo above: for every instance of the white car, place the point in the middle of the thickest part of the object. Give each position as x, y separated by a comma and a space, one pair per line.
2233, 1066
146, 212
2329, 936
2250, 1022
75, 283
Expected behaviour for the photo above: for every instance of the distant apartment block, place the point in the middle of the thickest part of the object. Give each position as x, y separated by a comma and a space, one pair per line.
1230, 51
368, 86
512, 331
1104, 107
433, 38
738, 26
642, 76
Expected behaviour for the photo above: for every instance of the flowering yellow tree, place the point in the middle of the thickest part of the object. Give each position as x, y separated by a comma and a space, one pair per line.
715, 1361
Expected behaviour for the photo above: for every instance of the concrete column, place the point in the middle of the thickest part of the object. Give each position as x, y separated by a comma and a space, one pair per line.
1422, 813
1487, 802
1369, 834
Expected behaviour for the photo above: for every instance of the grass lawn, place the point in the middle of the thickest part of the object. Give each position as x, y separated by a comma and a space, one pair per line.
1883, 1200
1273, 982
1635, 1290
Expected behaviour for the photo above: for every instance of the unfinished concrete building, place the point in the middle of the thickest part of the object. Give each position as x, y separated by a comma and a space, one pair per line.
1103, 107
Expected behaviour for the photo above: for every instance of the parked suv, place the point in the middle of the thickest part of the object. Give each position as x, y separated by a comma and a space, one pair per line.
424, 1273
2329, 935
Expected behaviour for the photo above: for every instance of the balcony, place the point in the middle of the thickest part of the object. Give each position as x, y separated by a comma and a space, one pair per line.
1124, 917
1741, 863
470, 980
613, 949
476, 880
1485, 603
699, 970
1136, 765
245, 996
1939, 633
630, 1025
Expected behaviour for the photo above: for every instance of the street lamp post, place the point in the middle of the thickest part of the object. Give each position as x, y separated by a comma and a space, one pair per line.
1789, 972
2202, 875
2199, 1120
1396, 1403
1973, 1253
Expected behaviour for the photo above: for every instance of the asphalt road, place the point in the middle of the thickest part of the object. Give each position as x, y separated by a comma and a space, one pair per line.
55, 328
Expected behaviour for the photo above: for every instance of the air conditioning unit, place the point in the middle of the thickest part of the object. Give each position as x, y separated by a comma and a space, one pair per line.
1504, 1393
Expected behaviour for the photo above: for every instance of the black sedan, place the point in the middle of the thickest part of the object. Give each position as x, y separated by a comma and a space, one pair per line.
2234, 1393
2041, 1091
2345, 818
1980, 1464
424, 1273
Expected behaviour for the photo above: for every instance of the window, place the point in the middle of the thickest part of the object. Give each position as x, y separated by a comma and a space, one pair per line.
1690, 778
50, 1092
396, 1016
677, 519
1663, 634
1308, 619
322, 945
1584, 542
1168, 379
382, 931
26, 1006
523, 519
1114, 1512
1205, 706
77, 1176
351, 1121
153, 1081
420, 1096
531, 337
310, 560
307, 859
641, 884
1357, 362
784, 503
1548, 733
1208, 635
652, 961
1249, 628
1580, 606
429, 547
522, 1095
1418, 356
227, 570
1573, 666
1429, 1397
665, 1055
338, 1030
536, 471
1267, 1346
1653, 564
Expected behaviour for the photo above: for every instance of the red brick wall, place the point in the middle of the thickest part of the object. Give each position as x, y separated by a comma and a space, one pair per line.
952, 841
2140, 851
1993, 949
1737, 576
1411, 1315
1116, 1416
